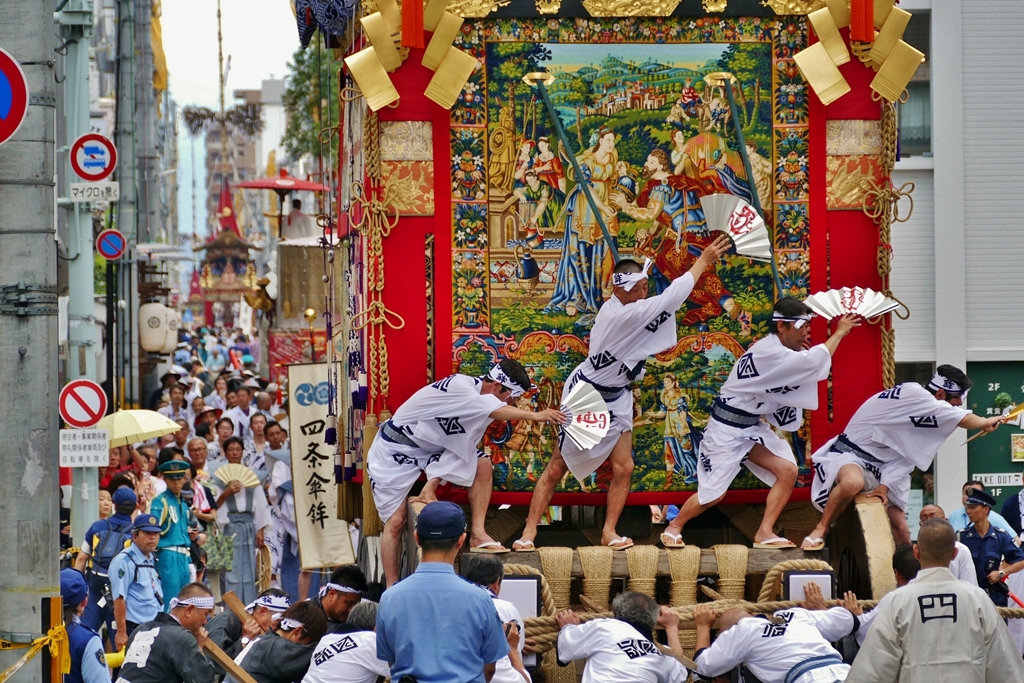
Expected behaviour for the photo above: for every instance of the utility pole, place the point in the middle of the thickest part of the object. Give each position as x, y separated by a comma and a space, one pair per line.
145, 125
28, 343
127, 219
76, 25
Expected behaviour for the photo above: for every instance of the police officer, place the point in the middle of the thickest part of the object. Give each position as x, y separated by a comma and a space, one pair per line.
134, 583
103, 541
88, 664
172, 512
994, 554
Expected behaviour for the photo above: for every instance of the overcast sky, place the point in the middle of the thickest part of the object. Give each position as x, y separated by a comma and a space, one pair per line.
260, 37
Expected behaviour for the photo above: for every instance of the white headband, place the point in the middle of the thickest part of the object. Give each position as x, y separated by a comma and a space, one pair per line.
628, 280
198, 602
291, 624
944, 383
797, 320
498, 375
337, 587
274, 603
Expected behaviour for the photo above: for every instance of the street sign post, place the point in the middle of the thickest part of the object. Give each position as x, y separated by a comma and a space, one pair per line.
82, 403
84, 447
13, 96
110, 244
93, 157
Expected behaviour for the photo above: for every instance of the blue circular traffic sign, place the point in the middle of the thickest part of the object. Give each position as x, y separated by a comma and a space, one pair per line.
110, 244
13, 96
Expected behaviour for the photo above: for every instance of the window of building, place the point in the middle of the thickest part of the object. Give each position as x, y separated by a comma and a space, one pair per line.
915, 116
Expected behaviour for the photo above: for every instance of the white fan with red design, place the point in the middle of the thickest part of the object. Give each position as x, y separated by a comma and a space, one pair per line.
861, 301
589, 417
739, 220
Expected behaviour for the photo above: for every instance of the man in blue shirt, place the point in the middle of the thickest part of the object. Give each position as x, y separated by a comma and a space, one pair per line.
103, 541
435, 626
958, 519
993, 551
134, 583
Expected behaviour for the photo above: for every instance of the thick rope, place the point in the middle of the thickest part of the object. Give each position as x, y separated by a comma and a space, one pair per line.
597, 574
642, 561
684, 565
773, 579
557, 566
888, 358
732, 570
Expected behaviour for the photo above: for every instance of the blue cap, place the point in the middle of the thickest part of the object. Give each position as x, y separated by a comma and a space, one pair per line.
124, 496
981, 497
440, 520
73, 587
147, 523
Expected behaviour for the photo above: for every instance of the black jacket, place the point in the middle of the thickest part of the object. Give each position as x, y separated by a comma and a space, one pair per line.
161, 651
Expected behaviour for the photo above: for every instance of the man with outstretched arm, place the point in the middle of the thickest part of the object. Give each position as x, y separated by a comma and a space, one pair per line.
438, 431
628, 329
890, 434
769, 386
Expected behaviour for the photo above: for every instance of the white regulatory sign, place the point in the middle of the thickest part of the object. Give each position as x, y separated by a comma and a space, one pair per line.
95, 192
998, 479
84, 448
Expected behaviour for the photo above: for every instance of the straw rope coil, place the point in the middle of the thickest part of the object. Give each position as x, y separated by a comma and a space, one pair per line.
732, 570
557, 564
597, 574
684, 565
642, 561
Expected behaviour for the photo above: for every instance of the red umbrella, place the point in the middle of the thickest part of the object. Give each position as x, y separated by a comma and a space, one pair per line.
283, 184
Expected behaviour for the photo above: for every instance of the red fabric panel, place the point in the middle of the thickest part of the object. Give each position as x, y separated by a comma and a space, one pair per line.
856, 104
404, 260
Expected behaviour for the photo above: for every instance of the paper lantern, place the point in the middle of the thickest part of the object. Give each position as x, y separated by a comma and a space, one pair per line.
152, 327
171, 330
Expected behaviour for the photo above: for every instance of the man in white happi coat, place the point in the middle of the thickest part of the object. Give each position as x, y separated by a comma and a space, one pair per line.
437, 431
628, 329
769, 386
937, 629
350, 657
795, 647
623, 648
890, 434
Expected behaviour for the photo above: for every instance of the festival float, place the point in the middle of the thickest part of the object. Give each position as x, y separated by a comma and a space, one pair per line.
462, 235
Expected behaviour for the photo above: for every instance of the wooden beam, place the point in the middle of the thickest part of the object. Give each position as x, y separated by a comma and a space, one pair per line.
759, 561
224, 660
232, 602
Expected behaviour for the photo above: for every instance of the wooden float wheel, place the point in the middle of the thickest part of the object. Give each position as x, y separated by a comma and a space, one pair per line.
862, 547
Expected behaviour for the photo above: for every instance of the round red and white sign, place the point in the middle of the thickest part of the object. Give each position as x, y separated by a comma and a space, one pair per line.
93, 157
82, 403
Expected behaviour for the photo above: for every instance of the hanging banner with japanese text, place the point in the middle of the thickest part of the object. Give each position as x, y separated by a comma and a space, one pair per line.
324, 540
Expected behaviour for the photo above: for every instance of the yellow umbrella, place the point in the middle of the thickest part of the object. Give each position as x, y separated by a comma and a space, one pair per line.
131, 426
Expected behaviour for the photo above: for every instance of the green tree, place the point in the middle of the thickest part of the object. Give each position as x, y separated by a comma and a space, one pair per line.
751, 64
579, 96
311, 100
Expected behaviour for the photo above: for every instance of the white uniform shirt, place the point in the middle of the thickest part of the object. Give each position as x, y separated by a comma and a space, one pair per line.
625, 335
616, 652
450, 414
503, 671
771, 651
347, 658
777, 382
937, 630
168, 411
904, 423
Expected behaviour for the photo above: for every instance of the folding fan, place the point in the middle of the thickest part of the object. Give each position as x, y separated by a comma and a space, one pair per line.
866, 303
233, 471
739, 220
589, 418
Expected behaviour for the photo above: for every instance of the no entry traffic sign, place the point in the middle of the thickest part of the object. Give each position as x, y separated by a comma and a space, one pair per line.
93, 157
13, 96
82, 403
110, 244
